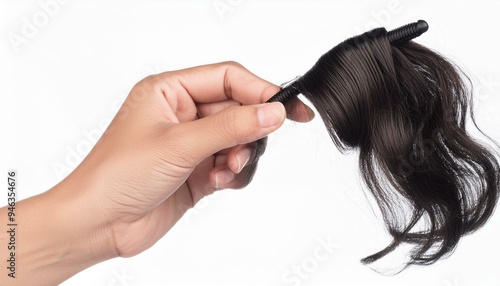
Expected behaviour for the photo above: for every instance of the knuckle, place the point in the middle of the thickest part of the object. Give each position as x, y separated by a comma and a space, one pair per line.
149, 83
233, 64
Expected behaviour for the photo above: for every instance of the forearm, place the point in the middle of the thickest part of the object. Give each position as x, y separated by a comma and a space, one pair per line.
58, 234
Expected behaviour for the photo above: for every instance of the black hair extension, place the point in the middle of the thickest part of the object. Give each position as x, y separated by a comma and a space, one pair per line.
404, 107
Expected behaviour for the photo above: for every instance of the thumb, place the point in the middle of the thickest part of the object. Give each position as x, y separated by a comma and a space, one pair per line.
196, 140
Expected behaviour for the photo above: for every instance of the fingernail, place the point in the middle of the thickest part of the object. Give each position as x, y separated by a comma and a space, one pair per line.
223, 177
271, 114
243, 157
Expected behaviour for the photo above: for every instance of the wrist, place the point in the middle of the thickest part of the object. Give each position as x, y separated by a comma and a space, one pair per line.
61, 233
82, 221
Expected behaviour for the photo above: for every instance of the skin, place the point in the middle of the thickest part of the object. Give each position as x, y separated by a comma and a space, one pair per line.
178, 137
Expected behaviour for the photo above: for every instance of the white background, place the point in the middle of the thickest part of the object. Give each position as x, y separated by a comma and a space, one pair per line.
65, 78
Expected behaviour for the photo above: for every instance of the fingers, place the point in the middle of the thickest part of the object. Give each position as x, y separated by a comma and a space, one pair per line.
221, 177
243, 162
296, 110
207, 109
235, 167
239, 156
219, 82
191, 142
218, 91
217, 86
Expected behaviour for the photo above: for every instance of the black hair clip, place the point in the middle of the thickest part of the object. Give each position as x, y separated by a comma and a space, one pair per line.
400, 35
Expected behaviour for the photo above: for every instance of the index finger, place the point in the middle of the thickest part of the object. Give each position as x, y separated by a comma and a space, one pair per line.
221, 81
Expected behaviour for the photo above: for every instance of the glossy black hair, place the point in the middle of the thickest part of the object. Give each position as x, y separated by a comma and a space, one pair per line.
405, 107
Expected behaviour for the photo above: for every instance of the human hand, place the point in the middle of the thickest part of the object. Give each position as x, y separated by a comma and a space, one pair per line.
178, 137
